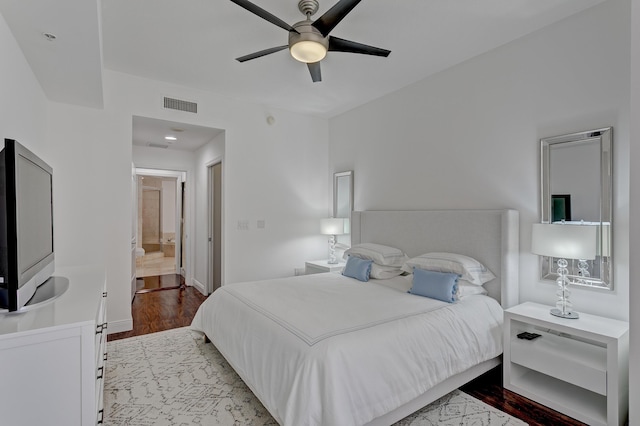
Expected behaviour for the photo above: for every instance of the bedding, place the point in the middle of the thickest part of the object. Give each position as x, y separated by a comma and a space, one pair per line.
326, 349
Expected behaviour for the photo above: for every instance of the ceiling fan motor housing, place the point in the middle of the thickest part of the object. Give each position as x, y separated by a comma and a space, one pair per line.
307, 33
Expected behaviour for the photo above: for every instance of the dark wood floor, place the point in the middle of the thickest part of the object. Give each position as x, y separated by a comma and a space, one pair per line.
154, 311
173, 308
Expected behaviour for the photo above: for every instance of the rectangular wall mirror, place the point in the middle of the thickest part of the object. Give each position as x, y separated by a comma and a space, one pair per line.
343, 195
576, 172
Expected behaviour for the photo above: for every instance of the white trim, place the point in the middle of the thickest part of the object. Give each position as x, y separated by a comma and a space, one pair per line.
201, 287
119, 326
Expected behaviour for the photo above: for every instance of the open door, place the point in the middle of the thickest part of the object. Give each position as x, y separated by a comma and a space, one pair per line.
215, 227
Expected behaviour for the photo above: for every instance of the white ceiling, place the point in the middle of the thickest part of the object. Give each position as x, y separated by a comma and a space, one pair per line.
151, 132
194, 42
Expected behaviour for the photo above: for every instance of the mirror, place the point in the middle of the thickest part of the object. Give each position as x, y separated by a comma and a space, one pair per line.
343, 195
576, 172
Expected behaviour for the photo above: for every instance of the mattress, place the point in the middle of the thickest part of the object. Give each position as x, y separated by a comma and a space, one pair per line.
325, 349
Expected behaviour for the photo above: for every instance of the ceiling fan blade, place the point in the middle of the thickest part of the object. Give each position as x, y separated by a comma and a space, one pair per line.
314, 69
261, 53
264, 14
333, 16
341, 45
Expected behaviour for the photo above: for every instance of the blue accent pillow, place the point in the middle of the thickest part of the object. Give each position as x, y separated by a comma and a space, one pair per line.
357, 268
436, 285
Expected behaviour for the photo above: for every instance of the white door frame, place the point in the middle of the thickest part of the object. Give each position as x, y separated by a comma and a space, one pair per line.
179, 176
210, 223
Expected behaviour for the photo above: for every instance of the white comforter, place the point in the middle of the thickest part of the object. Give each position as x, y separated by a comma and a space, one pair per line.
325, 349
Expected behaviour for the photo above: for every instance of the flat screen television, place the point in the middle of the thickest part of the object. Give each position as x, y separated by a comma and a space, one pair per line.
26, 224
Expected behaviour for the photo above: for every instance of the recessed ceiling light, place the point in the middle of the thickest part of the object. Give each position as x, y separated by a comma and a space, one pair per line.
49, 36
171, 138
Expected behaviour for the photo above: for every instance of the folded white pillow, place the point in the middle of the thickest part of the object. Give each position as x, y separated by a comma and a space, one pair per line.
381, 272
465, 288
380, 254
467, 267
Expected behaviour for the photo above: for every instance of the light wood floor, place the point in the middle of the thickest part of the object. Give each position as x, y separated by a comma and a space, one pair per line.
155, 264
163, 310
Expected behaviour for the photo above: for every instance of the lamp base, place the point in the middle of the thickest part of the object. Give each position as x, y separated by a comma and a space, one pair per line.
569, 315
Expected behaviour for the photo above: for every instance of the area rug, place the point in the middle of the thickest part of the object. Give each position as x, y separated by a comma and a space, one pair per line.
173, 378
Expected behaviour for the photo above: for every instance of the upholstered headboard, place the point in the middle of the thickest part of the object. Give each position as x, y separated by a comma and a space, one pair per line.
490, 236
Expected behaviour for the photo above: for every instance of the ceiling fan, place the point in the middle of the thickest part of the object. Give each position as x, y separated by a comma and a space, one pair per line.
309, 40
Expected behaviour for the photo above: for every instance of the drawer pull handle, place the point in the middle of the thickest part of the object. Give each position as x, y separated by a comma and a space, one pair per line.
104, 294
100, 370
100, 416
104, 357
99, 328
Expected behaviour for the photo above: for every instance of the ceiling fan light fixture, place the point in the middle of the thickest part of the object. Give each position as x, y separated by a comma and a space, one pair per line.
308, 51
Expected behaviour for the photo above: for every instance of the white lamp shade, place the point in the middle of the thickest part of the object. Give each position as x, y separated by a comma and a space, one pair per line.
332, 226
564, 241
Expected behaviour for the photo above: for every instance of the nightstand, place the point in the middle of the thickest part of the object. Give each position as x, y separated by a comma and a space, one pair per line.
318, 266
579, 367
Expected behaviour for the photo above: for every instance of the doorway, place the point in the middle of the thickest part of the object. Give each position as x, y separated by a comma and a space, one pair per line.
214, 246
159, 223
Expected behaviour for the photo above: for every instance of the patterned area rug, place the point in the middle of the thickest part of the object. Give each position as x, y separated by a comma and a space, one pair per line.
173, 378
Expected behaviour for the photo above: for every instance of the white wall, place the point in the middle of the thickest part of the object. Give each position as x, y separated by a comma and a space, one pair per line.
22, 101
276, 173
469, 136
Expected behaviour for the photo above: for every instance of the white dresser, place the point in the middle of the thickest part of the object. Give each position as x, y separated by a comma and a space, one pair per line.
52, 356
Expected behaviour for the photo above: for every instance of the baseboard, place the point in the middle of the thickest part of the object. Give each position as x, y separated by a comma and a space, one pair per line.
201, 287
119, 326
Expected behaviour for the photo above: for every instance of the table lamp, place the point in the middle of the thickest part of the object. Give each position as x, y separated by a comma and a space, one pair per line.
332, 226
563, 241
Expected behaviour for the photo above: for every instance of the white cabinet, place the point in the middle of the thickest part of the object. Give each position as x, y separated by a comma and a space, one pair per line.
579, 367
319, 266
52, 356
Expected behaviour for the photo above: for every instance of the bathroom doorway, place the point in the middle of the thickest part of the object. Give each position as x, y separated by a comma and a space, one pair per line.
159, 220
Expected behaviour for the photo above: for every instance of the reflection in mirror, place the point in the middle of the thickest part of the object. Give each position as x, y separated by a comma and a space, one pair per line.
576, 172
343, 195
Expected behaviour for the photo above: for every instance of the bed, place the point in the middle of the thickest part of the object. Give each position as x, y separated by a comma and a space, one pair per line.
326, 349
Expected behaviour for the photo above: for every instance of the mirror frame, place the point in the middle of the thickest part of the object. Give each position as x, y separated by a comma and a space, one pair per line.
605, 138
337, 177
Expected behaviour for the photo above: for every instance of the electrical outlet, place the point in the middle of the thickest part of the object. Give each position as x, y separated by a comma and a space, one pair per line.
261, 224
243, 225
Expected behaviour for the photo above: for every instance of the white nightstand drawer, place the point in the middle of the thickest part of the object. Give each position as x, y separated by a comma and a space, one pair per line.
579, 363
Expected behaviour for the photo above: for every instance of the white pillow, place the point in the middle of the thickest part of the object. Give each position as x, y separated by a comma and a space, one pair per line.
381, 272
467, 267
465, 288
380, 254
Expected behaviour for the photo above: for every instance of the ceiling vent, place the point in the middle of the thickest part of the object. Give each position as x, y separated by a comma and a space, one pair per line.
180, 105
158, 145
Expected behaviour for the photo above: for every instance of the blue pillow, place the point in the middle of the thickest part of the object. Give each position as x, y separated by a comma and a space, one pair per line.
357, 268
436, 285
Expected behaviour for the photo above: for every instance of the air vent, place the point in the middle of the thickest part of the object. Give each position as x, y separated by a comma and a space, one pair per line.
180, 105
158, 145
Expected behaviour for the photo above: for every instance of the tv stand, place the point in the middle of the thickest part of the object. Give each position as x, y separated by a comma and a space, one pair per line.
52, 352
49, 290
